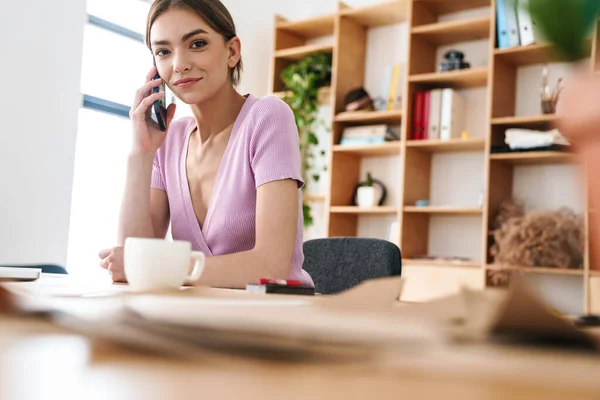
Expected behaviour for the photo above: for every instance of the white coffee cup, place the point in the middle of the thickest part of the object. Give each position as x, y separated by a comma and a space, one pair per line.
156, 264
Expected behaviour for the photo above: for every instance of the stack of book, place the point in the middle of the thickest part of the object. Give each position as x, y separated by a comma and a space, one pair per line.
367, 134
438, 114
514, 24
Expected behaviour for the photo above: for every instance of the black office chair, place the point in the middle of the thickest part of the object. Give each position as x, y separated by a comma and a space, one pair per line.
338, 264
46, 268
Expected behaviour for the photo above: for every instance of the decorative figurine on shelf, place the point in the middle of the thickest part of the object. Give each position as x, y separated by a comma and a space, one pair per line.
358, 99
453, 60
369, 193
549, 96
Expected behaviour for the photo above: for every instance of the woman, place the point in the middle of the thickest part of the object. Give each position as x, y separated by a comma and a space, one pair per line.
229, 179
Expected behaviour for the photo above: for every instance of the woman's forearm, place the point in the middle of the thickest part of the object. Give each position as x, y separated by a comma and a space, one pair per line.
135, 219
237, 269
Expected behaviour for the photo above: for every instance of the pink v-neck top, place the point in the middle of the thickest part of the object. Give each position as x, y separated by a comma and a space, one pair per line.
263, 147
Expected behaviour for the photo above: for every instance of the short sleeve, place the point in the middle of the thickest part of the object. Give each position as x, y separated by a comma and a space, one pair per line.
158, 178
274, 144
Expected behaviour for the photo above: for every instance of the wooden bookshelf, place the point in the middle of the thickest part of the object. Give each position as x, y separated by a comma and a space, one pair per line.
319, 26
388, 13
430, 29
443, 210
464, 78
454, 31
392, 117
447, 146
524, 121
357, 210
370, 150
534, 157
436, 8
298, 53
536, 270
433, 263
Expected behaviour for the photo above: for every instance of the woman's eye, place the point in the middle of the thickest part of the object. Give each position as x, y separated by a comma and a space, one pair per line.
162, 53
198, 44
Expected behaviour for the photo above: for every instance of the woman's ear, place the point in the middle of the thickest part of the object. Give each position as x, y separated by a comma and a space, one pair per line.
235, 52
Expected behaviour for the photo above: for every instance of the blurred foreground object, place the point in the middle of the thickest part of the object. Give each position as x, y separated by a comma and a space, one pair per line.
6, 302
565, 23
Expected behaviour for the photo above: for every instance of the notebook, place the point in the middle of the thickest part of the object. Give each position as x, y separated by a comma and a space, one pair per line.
19, 274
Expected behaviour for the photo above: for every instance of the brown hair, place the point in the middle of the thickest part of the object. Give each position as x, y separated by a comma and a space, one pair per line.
213, 12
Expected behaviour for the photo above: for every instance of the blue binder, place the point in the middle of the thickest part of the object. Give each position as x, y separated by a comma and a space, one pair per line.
502, 25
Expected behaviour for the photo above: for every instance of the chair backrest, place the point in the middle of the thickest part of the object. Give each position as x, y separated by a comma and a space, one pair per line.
338, 264
46, 268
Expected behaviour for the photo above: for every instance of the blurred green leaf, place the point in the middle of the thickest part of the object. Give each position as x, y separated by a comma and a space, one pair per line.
565, 23
312, 138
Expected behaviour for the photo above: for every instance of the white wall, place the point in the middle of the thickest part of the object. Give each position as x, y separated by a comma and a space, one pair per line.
40, 70
255, 24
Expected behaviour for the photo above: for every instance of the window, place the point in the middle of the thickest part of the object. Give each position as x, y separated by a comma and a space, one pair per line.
115, 63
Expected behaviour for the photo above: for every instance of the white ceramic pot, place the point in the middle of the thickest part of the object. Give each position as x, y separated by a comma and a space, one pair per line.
366, 197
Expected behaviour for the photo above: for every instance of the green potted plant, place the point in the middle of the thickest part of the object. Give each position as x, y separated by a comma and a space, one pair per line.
302, 81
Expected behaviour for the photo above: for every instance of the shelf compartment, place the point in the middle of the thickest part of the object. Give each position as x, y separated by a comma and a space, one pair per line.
382, 210
449, 210
536, 270
370, 150
388, 13
525, 121
297, 53
319, 26
392, 117
534, 157
447, 146
464, 78
440, 7
540, 53
433, 263
455, 31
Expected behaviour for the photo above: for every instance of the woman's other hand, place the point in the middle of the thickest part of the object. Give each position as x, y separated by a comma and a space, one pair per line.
112, 261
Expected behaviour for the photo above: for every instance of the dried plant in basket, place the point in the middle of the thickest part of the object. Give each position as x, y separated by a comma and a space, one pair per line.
552, 239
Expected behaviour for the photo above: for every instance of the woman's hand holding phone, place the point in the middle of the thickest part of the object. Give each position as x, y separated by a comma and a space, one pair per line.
147, 135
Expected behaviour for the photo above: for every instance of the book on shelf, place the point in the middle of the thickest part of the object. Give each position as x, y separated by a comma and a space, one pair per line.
368, 134
452, 115
435, 109
438, 114
526, 32
391, 88
513, 24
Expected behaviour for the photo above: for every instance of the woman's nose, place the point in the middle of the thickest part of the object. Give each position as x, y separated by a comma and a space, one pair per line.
181, 64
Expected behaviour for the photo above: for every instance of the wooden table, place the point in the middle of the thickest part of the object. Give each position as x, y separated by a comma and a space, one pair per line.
39, 360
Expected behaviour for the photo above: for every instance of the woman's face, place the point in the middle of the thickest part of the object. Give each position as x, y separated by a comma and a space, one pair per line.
192, 58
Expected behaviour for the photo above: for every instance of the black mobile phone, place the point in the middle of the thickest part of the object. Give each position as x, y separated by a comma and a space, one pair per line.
160, 106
